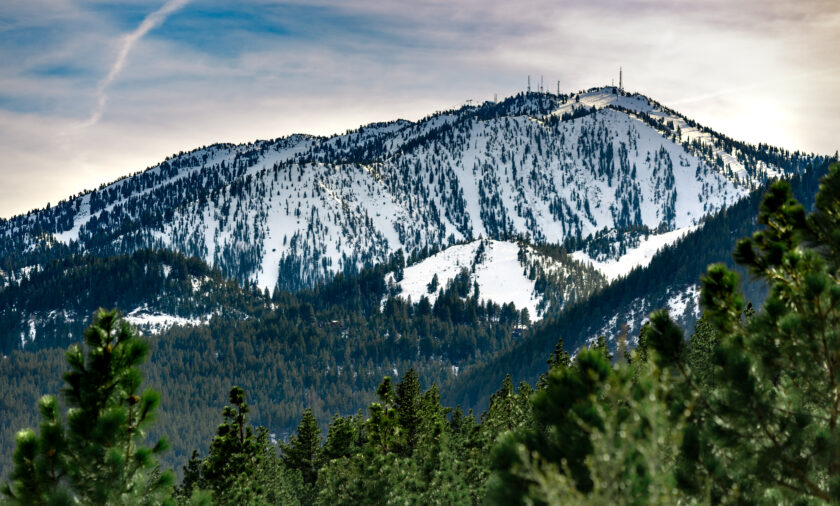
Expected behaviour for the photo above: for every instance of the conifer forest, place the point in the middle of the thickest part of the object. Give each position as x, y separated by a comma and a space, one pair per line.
740, 409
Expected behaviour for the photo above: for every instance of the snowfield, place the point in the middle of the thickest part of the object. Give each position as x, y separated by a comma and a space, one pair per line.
498, 273
155, 322
639, 256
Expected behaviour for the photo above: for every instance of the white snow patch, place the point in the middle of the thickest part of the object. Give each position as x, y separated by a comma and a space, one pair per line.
28, 336
198, 282
678, 302
156, 322
498, 272
639, 256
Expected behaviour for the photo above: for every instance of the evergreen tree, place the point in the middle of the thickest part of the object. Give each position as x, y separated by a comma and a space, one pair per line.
99, 456
610, 438
341, 439
408, 406
381, 427
559, 358
764, 424
234, 451
242, 466
191, 480
272, 482
433, 285
779, 396
303, 452
565, 409
507, 409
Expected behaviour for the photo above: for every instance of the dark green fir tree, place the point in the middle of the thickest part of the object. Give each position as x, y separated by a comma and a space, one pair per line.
303, 452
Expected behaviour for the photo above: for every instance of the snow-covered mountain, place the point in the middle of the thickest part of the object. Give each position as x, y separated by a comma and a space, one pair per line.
602, 164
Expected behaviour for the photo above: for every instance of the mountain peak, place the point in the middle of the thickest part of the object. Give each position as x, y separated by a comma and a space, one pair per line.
293, 211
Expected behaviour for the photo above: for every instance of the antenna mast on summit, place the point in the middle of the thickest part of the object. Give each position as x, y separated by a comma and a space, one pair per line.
529, 83
541, 83
558, 87
620, 79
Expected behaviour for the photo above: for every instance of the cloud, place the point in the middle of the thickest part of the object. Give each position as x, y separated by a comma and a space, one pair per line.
128, 41
231, 72
755, 85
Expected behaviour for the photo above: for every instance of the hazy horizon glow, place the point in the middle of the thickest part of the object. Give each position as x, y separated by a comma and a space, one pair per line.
93, 91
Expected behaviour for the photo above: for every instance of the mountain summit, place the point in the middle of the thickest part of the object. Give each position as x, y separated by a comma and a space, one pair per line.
294, 211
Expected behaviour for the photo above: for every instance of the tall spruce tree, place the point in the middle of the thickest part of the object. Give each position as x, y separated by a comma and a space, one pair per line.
407, 400
234, 449
99, 456
303, 452
242, 466
381, 427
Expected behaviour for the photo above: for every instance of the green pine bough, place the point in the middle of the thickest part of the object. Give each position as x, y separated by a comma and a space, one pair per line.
95, 454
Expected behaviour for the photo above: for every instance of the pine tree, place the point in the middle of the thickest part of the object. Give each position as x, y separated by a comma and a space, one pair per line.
303, 452
99, 456
341, 439
765, 422
565, 410
407, 402
234, 451
559, 358
242, 466
381, 427
191, 481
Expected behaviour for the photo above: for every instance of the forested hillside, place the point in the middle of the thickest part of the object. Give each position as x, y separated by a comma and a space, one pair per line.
50, 305
674, 272
326, 348
741, 412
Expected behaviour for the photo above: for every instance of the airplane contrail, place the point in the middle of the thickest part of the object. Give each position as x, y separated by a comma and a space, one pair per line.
128, 41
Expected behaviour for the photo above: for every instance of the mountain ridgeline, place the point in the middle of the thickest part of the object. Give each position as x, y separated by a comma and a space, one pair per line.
294, 211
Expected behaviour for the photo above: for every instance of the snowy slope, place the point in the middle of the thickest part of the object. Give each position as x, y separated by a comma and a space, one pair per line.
638, 256
504, 272
291, 212
686, 131
682, 303
150, 321
497, 272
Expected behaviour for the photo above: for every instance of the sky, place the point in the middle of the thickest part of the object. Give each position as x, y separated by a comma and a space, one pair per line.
91, 91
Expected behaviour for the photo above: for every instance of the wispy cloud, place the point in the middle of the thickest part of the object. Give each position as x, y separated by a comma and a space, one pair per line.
754, 86
222, 71
127, 43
